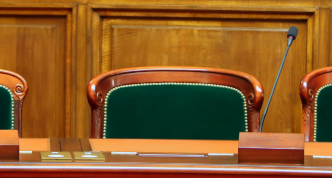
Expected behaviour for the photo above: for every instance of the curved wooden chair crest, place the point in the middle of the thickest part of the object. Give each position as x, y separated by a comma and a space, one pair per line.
13, 89
316, 97
174, 103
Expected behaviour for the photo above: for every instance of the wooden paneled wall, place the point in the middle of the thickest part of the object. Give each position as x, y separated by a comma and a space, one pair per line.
59, 45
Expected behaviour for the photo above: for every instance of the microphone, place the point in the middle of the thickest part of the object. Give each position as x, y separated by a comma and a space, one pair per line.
292, 33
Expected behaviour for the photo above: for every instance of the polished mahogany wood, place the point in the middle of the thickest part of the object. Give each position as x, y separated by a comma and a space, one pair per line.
224, 147
19, 88
37, 45
287, 148
132, 166
9, 145
101, 84
309, 86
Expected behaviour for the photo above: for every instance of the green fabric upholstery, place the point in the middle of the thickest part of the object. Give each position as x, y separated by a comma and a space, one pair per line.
175, 112
324, 115
5, 108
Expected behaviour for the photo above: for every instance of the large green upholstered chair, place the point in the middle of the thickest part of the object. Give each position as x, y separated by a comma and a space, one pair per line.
13, 89
316, 97
174, 103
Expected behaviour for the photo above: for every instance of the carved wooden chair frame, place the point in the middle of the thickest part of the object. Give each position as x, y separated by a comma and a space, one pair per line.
100, 85
310, 84
18, 88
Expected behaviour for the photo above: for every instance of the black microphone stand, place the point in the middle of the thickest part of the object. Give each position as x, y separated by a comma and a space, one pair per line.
290, 40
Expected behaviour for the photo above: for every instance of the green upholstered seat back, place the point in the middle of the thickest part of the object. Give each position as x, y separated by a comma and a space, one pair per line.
175, 111
6, 108
323, 114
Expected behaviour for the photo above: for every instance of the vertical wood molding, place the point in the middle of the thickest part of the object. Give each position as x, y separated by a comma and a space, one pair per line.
95, 33
322, 38
106, 59
310, 42
82, 110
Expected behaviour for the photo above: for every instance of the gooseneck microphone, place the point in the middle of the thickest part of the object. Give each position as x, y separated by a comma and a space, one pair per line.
292, 33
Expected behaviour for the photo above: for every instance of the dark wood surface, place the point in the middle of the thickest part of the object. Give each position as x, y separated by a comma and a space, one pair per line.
30, 165
70, 144
271, 148
55, 144
309, 86
85, 144
101, 84
9, 145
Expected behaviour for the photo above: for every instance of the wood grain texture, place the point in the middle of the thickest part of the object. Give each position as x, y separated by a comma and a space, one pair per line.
55, 144
9, 145
323, 58
81, 119
30, 165
199, 41
265, 148
101, 84
85, 144
40, 49
94, 36
282, 3
35, 169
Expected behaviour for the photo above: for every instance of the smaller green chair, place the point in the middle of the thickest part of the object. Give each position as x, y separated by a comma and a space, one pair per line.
174, 103
316, 97
13, 89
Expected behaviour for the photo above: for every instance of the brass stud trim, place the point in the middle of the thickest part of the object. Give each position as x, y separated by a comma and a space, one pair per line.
315, 108
173, 83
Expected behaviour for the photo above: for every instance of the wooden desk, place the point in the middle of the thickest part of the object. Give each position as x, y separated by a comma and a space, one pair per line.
117, 165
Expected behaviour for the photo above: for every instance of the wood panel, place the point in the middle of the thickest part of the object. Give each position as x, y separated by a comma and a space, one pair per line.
252, 40
322, 39
254, 46
87, 37
36, 47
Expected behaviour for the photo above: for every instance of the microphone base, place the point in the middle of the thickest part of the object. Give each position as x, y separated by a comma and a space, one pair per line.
267, 148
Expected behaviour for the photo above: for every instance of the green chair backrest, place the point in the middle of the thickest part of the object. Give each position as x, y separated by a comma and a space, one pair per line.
6, 108
175, 111
323, 114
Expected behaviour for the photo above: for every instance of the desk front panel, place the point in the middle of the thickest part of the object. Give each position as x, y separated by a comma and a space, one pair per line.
145, 163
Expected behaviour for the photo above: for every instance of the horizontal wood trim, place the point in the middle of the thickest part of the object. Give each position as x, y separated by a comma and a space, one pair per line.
216, 15
280, 3
36, 5
204, 8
